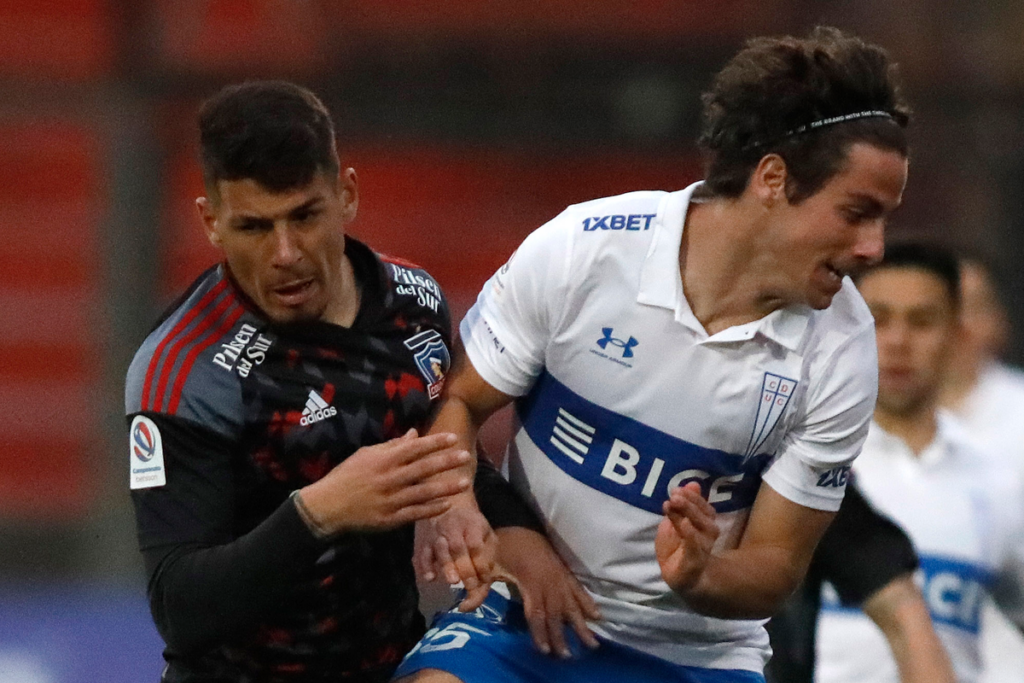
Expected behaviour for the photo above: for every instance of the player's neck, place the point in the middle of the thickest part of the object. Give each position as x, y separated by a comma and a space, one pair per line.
344, 305
915, 428
960, 379
720, 266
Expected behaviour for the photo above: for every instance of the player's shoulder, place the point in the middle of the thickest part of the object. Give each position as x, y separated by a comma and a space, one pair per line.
412, 290
975, 464
191, 364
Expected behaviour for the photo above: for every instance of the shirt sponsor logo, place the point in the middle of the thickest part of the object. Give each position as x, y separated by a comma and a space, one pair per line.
627, 459
316, 409
776, 392
248, 348
608, 340
409, 283
633, 221
432, 359
146, 459
835, 477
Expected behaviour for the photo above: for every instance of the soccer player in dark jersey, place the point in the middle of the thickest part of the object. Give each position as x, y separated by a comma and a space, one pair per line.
274, 415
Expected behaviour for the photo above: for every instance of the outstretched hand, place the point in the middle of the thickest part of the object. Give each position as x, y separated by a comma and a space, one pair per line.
387, 485
457, 545
685, 537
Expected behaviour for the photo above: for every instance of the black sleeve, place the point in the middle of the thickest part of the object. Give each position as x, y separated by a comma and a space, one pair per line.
862, 550
499, 502
205, 586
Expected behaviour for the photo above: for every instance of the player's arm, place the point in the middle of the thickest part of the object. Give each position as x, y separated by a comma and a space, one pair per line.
750, 581
552, 597
460, 545
899, 610
206, 584
869, 560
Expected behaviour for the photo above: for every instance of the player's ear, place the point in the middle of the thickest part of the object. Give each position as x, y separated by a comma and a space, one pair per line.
209, 218
768, 180
348, 191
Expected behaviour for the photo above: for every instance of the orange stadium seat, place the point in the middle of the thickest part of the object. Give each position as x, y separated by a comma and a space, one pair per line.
51, 330
63, 40
241, 36
510, 20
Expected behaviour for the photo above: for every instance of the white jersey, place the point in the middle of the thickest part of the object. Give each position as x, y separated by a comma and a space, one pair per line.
963, 513
993, 416
993, 413
624, 396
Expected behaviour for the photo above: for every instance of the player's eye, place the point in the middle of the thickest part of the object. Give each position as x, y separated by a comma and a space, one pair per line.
304, 215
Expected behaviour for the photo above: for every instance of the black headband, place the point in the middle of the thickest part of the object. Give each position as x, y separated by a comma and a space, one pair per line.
822, 123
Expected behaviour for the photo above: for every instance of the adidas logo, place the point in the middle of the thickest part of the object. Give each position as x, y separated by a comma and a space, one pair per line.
316, 409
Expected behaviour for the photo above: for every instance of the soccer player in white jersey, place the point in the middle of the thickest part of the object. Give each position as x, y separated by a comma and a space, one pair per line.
693, 374
960, 507
988, 397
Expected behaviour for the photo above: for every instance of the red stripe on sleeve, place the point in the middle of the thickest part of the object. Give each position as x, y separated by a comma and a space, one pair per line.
182, 324
229, 321
172, 356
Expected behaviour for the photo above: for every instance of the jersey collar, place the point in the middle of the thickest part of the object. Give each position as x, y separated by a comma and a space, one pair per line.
661, 284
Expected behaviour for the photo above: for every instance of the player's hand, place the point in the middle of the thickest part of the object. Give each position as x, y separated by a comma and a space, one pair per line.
457, 545
387, 485
685, 537
552, 597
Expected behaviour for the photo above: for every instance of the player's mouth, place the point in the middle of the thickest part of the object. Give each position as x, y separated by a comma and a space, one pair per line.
830, 278
294, 293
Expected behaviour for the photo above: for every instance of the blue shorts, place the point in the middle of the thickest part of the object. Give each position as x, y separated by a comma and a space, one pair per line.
493, 645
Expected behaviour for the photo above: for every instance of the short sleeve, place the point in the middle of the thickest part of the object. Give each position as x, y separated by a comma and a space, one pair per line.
814, 460
507, 331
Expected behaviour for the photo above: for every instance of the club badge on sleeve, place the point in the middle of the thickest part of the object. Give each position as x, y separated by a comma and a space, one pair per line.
146, 454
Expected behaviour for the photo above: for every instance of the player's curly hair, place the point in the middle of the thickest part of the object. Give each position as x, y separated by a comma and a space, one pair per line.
274, 132
775, 86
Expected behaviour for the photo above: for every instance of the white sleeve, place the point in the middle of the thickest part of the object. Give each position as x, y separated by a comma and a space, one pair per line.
507, 331
813, 464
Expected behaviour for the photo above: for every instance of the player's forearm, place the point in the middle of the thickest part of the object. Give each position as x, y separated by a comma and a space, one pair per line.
202, 597
454, 416
745, 583
900, 611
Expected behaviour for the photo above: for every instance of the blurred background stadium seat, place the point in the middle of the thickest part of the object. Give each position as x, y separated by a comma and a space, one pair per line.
469, 123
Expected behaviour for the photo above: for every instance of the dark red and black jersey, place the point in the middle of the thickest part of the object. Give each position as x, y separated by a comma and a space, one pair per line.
229, 414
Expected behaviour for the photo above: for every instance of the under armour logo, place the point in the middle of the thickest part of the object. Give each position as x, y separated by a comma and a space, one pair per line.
626, 346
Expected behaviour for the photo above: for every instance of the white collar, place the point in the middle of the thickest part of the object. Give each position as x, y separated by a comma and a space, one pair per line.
941, 448
661, 283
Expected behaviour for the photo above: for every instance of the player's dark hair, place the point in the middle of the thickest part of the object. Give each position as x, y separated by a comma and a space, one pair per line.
807, 100
274, 132
932, 258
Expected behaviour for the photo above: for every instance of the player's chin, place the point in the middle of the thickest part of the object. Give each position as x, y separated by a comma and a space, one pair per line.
292, 315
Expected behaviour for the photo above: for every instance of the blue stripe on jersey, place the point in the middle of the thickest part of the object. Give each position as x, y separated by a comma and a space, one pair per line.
627, 459
952, 589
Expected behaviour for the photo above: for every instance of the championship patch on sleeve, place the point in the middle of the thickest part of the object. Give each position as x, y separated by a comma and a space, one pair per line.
146, 454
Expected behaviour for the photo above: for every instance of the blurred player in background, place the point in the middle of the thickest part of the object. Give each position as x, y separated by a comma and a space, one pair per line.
988, 397
869, 561
961, 509
693, 373
986, 394
275, 462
